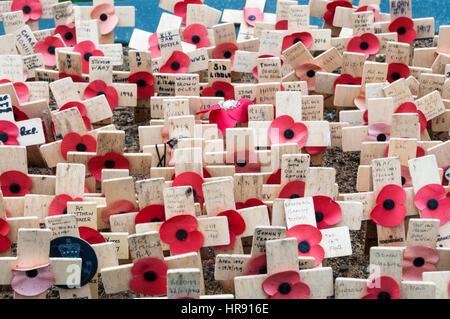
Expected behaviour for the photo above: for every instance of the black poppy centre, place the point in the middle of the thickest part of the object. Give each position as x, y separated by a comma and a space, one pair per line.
103, 17
319, 216
141, 83
395, 76
87, 55
401, 30
304, 247
195, 39
381, 137
31, 273
432, 204
220, 93
388, 204
227, 54
68, 36
14, 188
294, 196
403, 180
26, 9
65, 211
155, 219
311, 73
109, 164
419, 262
51, 49
175, 65
263, 270
181, 234
81, 147
241, 162
3, 137
252, 17
150, 276
296, 40
384, 295
284, 288
288, 134
364, 46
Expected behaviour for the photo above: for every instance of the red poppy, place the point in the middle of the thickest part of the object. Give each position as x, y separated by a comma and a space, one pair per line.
219, 89
304, 37
418, 259
432, 201
149, 276
244, 161
154, 45
196, 34
366, 117
446, 177
22, 91
74, 142
122, 206
226, 114
47, 49
331, 9
274, 178
378, 132
110, 160
58, 206
383, 287
99, 87
347, 79
257, 265
389, 210
177, 63
31, 9
74, 77
307, 72
68, 34
105, 15
376, 13
327, 211
236, 226
283, 130
286, 285
293, 189
367, 43
404, 27
181, 233
410, 107
81, 108
19, 115
191, 179
87, 49
92, 236
397, 71
180, 8
151, 214
15, 183
5, 243
308, 240
281, 25
144, 81
252, 15
314, 150
225, 50
251, 202
8, 133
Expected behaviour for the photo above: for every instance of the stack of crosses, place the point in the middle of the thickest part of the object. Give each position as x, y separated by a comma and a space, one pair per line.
229, 168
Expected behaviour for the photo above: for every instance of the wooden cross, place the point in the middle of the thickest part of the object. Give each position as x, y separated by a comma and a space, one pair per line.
47, 12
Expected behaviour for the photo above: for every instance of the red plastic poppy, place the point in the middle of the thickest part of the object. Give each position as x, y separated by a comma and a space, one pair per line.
74, 77
257, 265
22, 91
397, 71
327, 211
151, 214
196, 34
404, 27
219, 89
331, 9
74, 142
383, 287
367, 43
274, 178
293, 189
244, 161
47, 49
432, 201
225, 50
410, 107
15, 183
177, 63
68, 34
191, 179
446, 177
91, 235
252, 15
286, 285
149, 276
8, 133
181, 233
283, 130
236, 226
251, 202
19, 115
418, 259
304, 37
227, 114
307, 72
105, 15
308, 240
144, 81
347, 79
99, 87
31, 9
121, 206
376, 13
81, 108
110, 160
180, 8
86, 49
154, 45
281, 25
389, 210
378, 132
58, 206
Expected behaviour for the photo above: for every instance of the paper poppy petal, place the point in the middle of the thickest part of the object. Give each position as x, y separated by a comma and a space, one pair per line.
68, 34
240, 112
317, 252
4, 227
441, 213
236, 223
27, 286
429, 254
383, 284
177, 63
392, 191
18, 181
272, 282
22, 91
171, 226
274, 178
144, 81
293, 188
104, 14
97, 163
257, 265
193, 243
299, 290
331, 211
140, 268
80, 106
150, 213
117, 207
196, 34
5, 243
305, 233
252, 15
388, 218
427, 192
281, 25
225, 50
191, 179
91, 235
